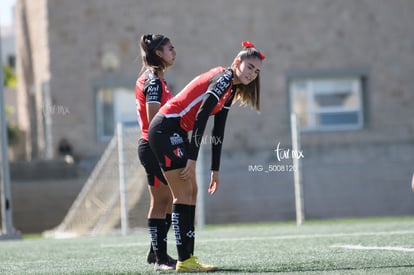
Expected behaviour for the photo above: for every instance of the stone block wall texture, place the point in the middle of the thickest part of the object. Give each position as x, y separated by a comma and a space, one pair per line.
42, 205
295, 36
347, 173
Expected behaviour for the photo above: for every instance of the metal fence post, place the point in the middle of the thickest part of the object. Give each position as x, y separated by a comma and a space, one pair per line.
8, 231
297, 164
122, 177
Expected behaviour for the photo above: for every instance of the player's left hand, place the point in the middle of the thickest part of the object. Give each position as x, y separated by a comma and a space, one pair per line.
214, 182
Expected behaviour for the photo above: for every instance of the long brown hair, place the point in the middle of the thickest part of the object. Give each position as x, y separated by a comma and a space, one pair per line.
149, 43
249, 94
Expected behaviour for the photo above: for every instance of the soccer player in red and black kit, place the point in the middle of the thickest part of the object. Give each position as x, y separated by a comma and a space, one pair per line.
209, 94
151, 92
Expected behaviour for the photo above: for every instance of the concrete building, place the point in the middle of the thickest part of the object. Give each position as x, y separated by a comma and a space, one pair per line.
8, 58
345, 67
8, 51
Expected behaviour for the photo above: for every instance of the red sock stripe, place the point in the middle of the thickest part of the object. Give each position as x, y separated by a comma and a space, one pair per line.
156, 181
167, 162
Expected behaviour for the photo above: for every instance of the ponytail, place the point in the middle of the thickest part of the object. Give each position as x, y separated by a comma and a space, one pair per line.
149, 43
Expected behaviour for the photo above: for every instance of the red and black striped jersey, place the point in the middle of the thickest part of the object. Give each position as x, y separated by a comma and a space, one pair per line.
149, 88
186, 104
210, 93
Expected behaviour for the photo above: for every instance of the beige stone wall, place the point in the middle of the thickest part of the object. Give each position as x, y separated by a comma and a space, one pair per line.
42, 205
33, 71
296, 36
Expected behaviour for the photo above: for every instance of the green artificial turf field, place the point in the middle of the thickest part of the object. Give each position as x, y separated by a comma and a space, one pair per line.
361, 246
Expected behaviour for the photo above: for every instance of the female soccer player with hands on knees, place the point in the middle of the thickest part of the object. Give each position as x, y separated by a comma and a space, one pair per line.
151, 92
209, 94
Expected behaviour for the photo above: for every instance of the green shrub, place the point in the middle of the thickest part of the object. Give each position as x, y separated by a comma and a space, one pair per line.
10, 79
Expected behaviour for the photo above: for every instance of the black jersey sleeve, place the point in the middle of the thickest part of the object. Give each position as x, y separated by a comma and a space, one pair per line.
217, 88
200, 123
218, 134
220, 118
217, 138
220, 83
153, 90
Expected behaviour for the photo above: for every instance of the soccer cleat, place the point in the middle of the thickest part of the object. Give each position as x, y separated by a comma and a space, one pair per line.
169, 265
193, 265
151, 258
171, 260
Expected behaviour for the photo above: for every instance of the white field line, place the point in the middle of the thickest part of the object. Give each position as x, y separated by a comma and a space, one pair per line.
124, 245
360, 247
285, 237
312, 236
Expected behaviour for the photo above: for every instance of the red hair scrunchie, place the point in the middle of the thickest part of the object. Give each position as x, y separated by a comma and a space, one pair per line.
248, 44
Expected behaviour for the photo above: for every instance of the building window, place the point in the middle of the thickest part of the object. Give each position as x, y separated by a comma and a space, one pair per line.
105, 114
11, 61
112, 106
327, 104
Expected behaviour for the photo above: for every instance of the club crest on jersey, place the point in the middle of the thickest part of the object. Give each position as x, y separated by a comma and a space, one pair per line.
179, 152
176, 139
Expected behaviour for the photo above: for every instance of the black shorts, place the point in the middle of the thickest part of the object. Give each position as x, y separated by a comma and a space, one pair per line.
168, 142
150, 163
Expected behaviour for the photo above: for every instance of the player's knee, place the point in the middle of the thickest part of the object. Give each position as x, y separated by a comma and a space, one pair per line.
185, 195
162, 200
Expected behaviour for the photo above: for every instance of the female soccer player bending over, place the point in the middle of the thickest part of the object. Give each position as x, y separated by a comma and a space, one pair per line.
209, 94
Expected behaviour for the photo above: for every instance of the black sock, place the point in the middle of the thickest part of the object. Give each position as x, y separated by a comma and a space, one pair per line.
167, 221
192, 228
157, 233
180, 220
167, 227
151, 249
